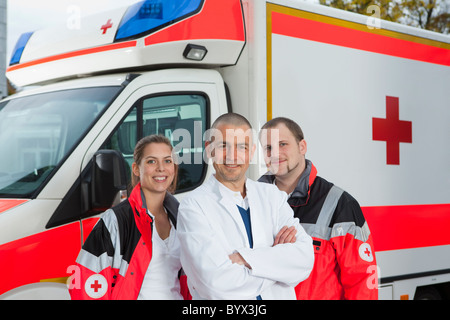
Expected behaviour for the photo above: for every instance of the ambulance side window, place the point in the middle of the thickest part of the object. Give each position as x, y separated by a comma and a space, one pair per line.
180, 117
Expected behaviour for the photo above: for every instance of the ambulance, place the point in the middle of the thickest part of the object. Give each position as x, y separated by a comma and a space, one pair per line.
373, 99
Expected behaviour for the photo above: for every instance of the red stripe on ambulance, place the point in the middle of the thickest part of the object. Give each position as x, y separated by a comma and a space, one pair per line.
346, 37
115, 46
408, 226
42, 256
6, 204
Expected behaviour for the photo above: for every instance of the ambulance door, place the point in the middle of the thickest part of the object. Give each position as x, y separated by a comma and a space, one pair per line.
180, 104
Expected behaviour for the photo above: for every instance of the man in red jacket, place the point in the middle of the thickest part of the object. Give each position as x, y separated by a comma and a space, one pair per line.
345, 264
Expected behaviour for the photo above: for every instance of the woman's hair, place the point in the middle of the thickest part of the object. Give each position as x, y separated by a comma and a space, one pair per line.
139, 154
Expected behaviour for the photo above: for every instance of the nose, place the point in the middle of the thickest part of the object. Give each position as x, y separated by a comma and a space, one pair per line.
275, 151
160, 166
231, 153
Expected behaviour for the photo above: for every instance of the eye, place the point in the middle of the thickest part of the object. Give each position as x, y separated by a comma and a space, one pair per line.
168, 161
151, 161
221, 146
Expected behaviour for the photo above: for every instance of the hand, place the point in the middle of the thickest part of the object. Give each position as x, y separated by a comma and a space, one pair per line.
237, 258
285, 235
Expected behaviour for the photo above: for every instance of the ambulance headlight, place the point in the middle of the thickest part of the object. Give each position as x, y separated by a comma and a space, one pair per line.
195, 52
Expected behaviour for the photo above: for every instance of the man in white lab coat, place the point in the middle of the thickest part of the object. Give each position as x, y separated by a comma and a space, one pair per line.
239, 239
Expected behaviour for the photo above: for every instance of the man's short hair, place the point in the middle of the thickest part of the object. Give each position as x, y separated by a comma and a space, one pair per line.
234, 119
293, 127
231, 118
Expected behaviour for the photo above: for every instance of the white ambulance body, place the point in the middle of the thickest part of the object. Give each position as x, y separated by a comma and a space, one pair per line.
371, 96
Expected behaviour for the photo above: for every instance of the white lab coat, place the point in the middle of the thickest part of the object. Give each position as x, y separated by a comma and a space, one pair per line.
210, 228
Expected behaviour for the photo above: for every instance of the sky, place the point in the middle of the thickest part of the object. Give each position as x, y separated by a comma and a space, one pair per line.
30, 15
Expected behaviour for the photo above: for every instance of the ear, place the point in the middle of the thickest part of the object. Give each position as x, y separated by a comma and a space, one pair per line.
209, 149
303, 146
135, 169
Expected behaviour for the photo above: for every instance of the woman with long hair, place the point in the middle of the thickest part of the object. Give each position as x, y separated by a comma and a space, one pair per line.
133, 251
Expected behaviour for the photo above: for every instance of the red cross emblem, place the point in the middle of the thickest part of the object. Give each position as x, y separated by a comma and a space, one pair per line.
365, 252
392, 130
106, 26
96, 286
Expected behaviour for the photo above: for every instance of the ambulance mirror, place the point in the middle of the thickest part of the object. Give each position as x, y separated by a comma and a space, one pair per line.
101, 185
108, 180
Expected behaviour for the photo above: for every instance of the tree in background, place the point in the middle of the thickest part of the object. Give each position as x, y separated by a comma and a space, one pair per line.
431, 15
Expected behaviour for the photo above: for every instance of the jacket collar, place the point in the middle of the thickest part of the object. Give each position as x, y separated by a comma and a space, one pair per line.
136, 200
303, 188
306, 180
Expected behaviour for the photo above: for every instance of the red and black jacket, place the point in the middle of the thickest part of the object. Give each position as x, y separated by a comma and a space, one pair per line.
344, 264
116, 255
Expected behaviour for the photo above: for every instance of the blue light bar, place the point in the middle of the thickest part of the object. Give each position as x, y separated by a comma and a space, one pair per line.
20, 46
148, 16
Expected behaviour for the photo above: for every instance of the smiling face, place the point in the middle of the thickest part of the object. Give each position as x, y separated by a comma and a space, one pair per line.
282, 153
156, 169
231, 150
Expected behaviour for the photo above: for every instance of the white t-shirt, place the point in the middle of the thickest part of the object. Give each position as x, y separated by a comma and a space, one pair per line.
234, 196
161, 279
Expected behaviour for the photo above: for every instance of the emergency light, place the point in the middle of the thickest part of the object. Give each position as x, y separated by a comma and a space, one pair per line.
20, 46
148, 16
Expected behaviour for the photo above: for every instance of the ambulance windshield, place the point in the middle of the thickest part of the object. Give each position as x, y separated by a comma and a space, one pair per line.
38, 132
